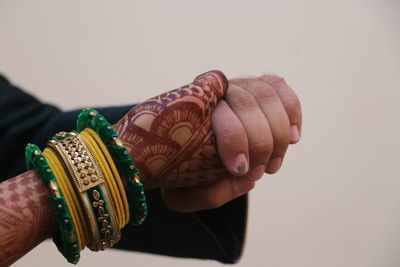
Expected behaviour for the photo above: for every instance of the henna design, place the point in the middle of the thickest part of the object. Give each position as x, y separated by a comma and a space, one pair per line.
26, 218
170, 136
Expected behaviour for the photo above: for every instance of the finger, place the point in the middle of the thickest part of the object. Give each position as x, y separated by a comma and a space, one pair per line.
206, 197
291, 103
256, 125
231, 139
271, 105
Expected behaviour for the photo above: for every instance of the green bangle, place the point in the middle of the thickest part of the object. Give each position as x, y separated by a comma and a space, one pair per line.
65, 238
90, 118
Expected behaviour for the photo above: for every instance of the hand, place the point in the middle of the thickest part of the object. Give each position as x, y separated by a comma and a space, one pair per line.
170, 138
261, 116
172, 142
254, 124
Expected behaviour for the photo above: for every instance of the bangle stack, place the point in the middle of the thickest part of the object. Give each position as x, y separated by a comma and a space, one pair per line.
90, 118
83, 171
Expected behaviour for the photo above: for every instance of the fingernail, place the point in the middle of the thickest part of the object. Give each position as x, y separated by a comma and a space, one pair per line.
241, 166
257, 172
241, 185
294, 133
274, 165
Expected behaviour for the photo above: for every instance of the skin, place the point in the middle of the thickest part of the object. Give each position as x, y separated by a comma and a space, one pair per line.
26, 218
182, 143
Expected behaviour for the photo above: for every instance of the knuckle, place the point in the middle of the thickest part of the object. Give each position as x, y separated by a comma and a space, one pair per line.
282, 138
262, 147
279, 80
293, 103
231, 136
281, 130
281, 141
241, 82
263, 91
227, 126
273, 79
241, 99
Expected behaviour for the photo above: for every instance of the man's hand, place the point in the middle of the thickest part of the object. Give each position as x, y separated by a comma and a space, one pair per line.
261, 117
172, 138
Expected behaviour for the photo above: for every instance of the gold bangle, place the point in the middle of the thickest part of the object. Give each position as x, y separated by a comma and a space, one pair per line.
111, 174
92, 189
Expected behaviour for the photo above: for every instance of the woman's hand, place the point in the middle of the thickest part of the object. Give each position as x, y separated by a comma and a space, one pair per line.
170, 137
205, 144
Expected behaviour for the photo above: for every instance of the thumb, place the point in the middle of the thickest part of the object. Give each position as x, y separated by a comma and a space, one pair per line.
214, 85
214, 79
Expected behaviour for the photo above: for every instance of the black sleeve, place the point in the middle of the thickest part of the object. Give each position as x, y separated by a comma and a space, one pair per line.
213, 234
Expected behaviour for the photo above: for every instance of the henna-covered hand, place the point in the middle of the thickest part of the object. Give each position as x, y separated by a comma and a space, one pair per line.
170, 136
205, 145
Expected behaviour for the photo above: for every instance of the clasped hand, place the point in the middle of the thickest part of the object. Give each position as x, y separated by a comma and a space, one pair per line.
208, 142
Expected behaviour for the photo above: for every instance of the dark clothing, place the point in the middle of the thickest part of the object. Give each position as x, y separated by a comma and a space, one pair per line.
212, 234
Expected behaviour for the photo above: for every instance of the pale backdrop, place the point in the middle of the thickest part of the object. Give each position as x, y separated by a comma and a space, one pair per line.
336, 202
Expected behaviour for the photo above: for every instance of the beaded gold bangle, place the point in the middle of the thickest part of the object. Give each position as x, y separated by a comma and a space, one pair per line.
92, 189
90, 118
65, 238
111, 174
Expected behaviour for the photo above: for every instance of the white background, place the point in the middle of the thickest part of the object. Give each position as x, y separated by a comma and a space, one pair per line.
336, 201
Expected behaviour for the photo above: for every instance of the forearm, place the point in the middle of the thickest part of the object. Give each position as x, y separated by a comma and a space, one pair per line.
26, 218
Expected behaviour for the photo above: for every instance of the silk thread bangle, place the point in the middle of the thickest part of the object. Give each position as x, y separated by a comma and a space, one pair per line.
66, 237
104, 166
66, 183
69, 194
116, 177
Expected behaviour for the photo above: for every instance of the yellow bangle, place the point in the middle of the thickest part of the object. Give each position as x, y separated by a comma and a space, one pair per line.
113, 178
116, 176
69, 194
107, 173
